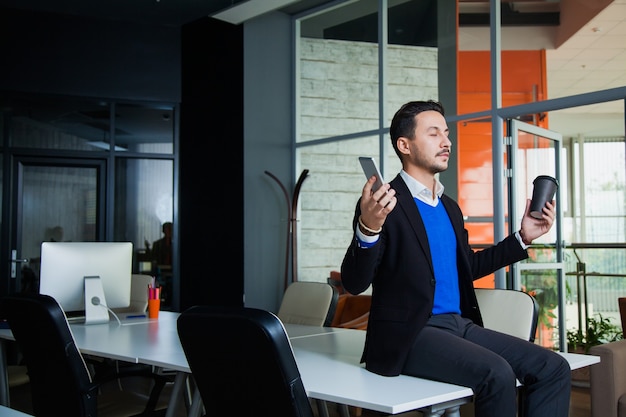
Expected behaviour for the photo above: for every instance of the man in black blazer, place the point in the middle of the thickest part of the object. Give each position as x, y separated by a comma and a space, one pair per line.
411, 246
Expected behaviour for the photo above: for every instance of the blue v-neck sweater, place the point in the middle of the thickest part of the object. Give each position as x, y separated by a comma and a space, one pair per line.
443, 252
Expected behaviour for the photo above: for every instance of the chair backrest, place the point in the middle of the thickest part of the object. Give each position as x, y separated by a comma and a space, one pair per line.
60, 382
508, 311
307, 302
138, 294
242, 362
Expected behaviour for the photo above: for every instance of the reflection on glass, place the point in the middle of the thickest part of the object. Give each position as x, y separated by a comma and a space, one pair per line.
144, 129
143, 214
59, 204
144, 199
54, 123
85, 125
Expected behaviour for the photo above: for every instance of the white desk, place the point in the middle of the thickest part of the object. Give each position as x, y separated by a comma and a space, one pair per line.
331, 371
328, 360
10, 412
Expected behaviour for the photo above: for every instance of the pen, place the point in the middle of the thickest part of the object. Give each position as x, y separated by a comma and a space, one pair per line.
137, 316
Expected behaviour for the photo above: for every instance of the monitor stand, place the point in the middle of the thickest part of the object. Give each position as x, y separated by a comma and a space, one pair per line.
95, 303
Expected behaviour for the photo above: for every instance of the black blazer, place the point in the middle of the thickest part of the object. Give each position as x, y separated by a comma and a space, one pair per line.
400, 269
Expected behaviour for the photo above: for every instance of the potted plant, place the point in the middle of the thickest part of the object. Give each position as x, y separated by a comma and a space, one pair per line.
599, 330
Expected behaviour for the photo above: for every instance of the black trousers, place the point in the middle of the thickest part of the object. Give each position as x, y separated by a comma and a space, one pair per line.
455, 350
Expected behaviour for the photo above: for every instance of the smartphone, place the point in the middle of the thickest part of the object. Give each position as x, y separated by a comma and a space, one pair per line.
370, 168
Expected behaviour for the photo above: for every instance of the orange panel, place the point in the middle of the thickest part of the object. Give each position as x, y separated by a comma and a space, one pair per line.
480, 233
486, 282
521, 72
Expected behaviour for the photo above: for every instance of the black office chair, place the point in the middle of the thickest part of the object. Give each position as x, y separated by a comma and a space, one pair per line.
61, 384
242, 362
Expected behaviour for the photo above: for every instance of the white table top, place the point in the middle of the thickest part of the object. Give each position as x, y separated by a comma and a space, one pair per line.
325, 361
339, 377
578, 360
10, 412
328, 360
152, 341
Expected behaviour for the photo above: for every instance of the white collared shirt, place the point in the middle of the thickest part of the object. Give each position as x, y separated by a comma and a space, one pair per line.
422, 192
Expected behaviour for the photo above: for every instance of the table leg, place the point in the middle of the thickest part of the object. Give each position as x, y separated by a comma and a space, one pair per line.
4, 379
177, 391
322, 408
449, 409
454, 411
196, 404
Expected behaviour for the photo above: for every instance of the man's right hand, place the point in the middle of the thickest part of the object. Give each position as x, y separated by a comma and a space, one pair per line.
376, 206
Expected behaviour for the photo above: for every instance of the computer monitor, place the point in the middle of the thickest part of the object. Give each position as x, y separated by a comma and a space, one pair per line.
87, 277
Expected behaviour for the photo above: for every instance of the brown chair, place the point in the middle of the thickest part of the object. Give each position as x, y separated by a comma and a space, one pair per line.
352, 311
335, 280
608, 380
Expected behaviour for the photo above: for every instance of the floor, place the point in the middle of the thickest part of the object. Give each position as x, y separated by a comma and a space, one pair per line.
580, 405
21, 400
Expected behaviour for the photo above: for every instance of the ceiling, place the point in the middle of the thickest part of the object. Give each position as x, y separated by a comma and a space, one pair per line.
593, 59
590, 58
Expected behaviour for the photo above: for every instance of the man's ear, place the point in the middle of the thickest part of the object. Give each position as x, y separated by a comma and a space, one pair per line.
403, 145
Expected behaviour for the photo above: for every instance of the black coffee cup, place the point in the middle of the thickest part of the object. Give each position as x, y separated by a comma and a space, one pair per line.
544, 188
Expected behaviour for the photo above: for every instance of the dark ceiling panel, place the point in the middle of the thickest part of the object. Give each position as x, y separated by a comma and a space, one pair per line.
161, 12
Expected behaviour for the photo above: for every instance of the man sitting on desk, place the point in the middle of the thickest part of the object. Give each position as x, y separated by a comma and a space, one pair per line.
411, 245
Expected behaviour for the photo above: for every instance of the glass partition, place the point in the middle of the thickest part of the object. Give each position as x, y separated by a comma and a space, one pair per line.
408, 51
62, 124
339, 71
156, 133
327, 202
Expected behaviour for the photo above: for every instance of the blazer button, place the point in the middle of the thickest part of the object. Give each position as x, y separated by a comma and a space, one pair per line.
432, 282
